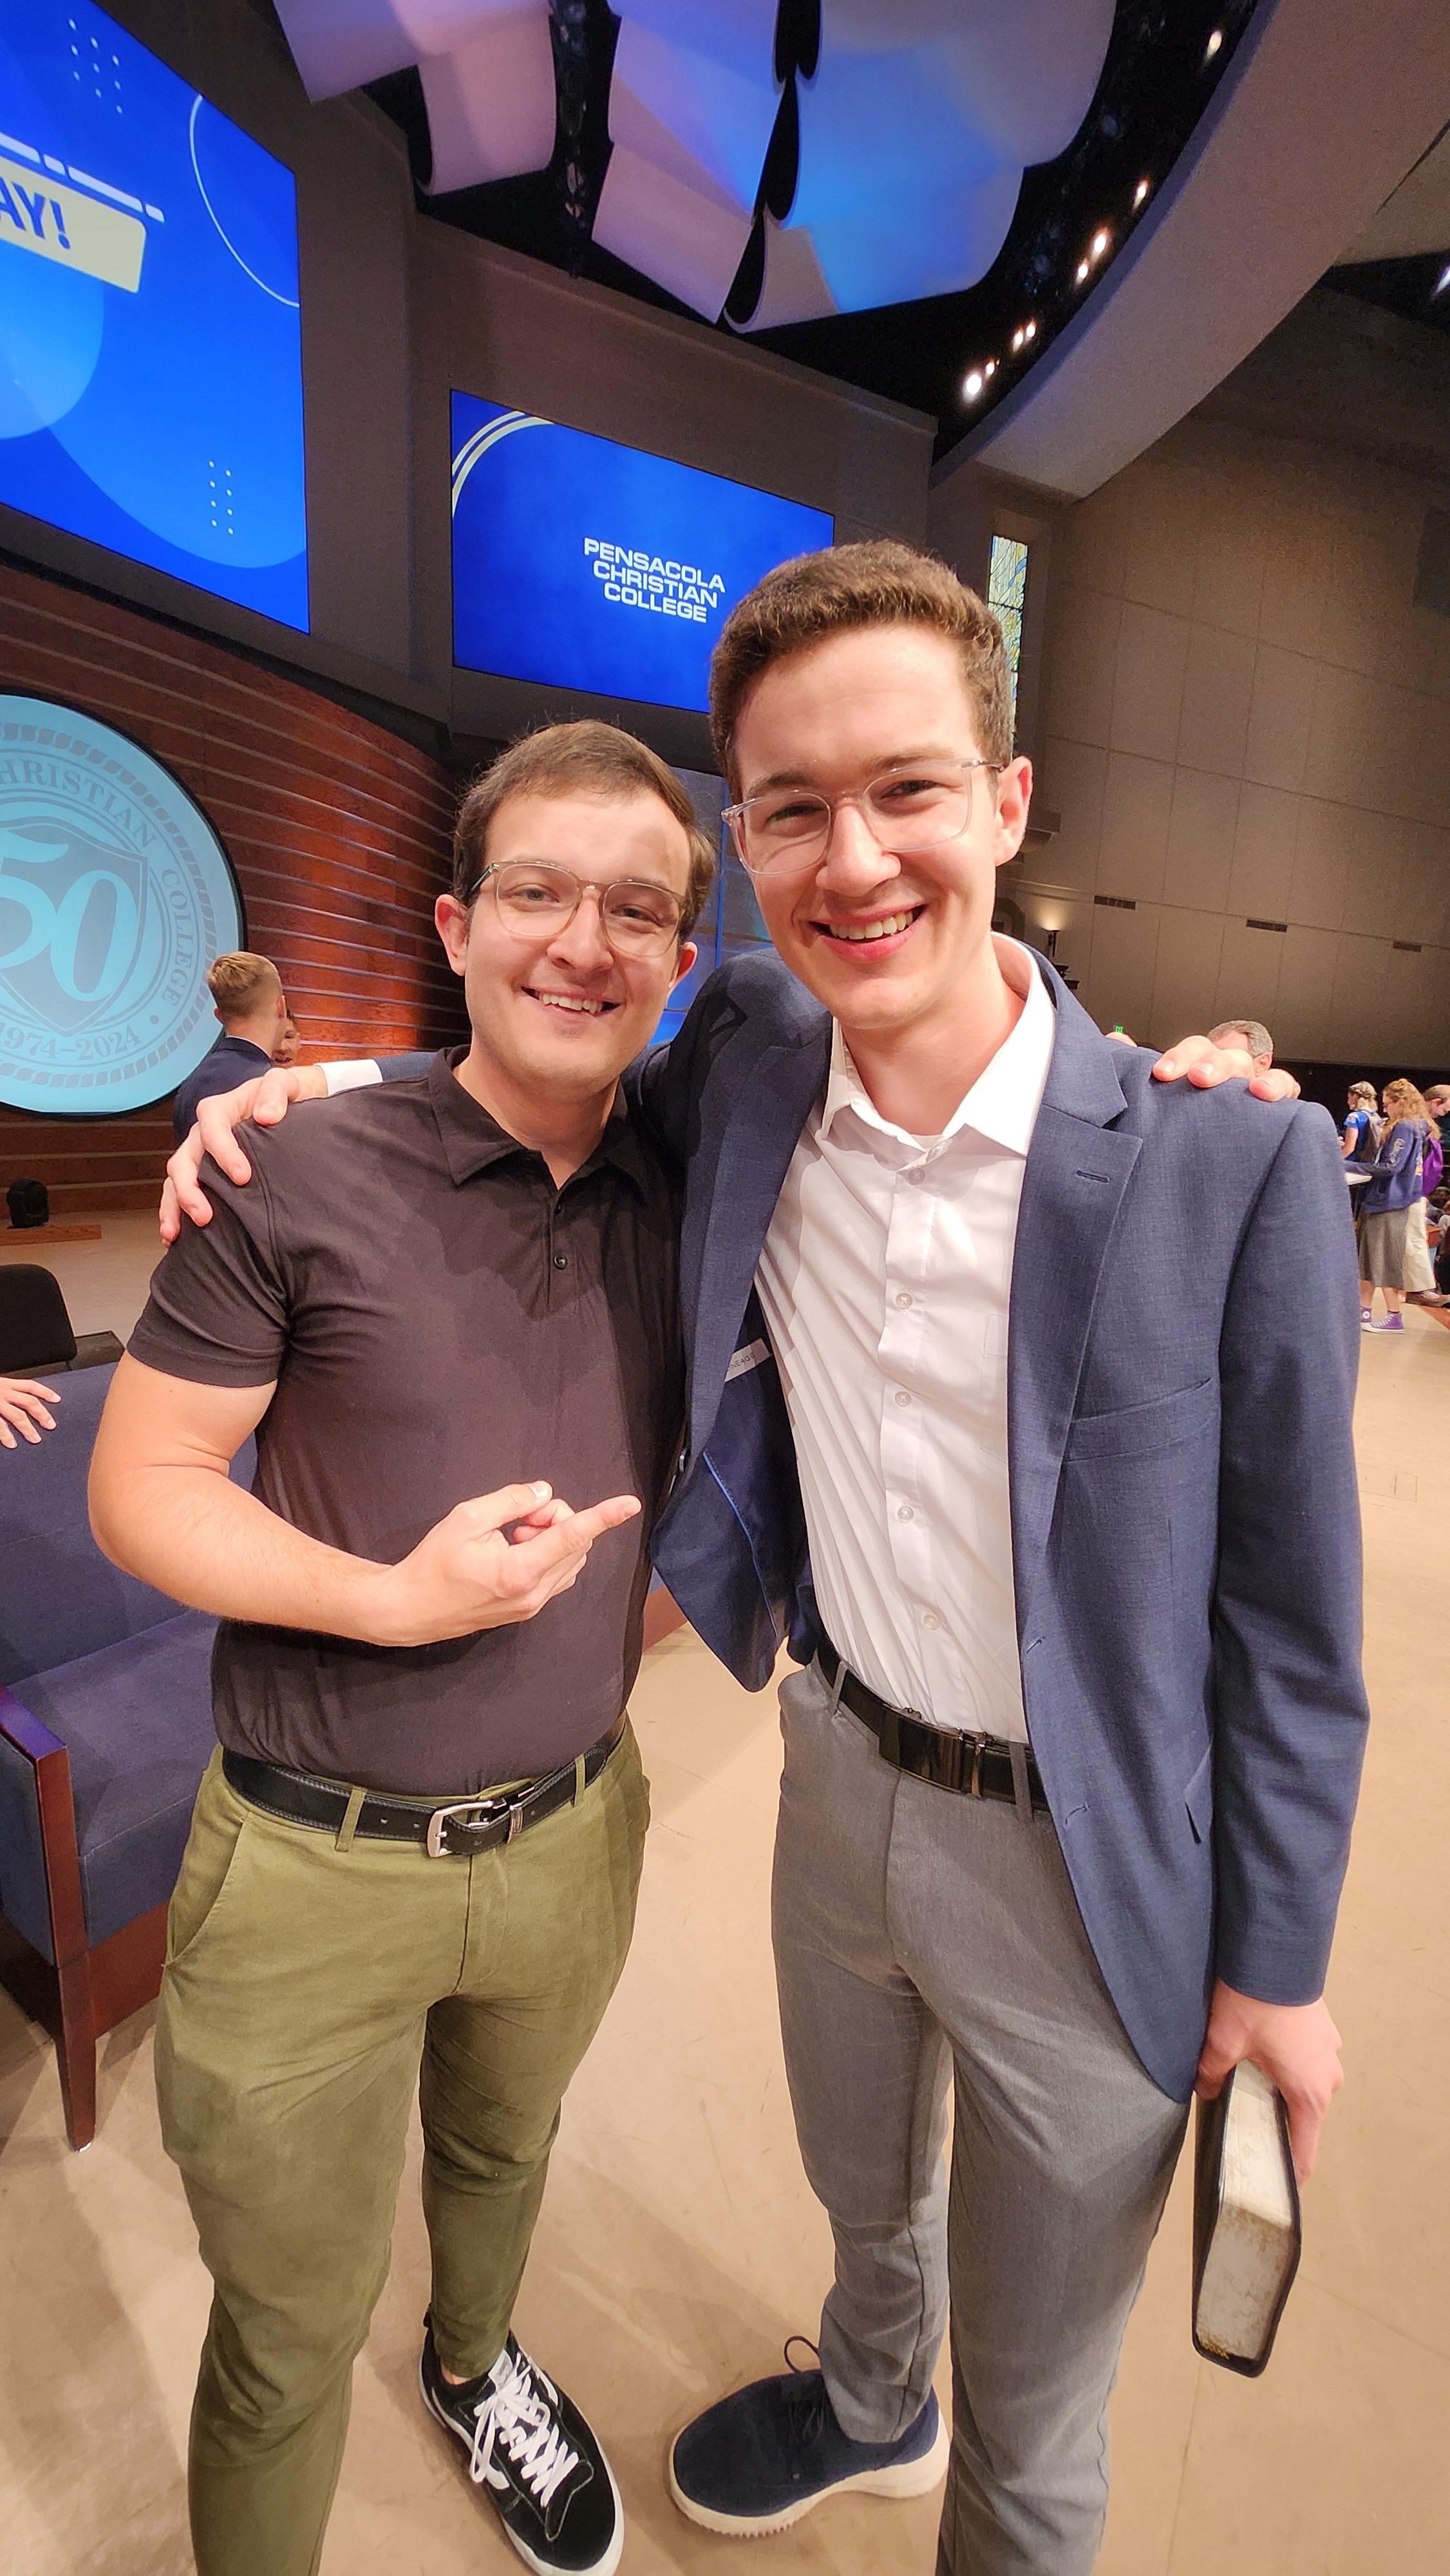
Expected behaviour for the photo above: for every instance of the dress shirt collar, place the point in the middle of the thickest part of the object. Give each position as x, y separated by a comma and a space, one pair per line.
1002, 1104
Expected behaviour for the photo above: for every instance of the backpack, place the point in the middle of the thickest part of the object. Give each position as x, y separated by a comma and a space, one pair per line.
1432, 1164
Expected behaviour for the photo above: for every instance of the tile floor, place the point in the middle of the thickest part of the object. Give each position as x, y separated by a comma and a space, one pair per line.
679, 2245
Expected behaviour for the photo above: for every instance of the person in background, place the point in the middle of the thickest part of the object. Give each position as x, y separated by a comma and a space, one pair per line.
1437, 1101
1251, 1035
1390, 1202
1361, 1129
23, 1402
289, 1044
251, 1007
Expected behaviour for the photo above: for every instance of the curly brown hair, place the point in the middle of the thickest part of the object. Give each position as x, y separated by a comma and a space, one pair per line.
879, 582
586, 759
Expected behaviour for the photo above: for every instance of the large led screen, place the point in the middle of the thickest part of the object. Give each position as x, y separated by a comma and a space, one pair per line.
150, 343
592, 566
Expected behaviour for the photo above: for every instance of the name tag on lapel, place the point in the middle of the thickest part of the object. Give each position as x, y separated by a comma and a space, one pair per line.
746, 1359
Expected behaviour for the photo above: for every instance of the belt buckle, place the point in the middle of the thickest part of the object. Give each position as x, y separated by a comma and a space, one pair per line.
979, 1745
480, 1812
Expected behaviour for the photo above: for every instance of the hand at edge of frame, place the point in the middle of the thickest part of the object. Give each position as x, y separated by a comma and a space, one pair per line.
264, 1100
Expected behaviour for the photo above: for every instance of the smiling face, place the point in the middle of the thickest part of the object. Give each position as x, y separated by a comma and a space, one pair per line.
556, 1020
889, 943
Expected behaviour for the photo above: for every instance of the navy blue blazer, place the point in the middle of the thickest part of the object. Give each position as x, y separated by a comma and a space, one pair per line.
1183, 1342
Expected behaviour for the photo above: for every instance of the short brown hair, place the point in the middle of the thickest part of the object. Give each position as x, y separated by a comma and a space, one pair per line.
879, 582
240, 983
588, 759
1259, 1040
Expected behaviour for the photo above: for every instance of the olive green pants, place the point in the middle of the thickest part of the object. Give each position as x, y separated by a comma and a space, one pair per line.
307, 1980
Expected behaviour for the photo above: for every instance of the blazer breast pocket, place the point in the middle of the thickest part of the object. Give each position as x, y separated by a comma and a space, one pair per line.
1165, 1422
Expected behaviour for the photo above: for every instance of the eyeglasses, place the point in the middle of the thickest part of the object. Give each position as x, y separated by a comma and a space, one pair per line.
910, 808
536, 900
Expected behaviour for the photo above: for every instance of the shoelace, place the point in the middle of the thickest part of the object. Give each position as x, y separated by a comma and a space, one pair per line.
809, 2405
519, 2419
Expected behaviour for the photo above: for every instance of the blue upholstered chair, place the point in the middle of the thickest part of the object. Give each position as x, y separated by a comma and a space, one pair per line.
105, 1730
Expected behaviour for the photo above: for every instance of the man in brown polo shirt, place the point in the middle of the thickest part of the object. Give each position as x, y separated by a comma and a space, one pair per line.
444, 1306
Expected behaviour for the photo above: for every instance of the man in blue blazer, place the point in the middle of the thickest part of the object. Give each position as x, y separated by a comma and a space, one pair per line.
1018, 1406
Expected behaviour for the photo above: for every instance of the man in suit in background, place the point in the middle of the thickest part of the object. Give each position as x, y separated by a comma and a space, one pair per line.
1012, 1405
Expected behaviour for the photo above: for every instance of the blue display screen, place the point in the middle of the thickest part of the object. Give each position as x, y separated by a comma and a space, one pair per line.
150, 341
592, 566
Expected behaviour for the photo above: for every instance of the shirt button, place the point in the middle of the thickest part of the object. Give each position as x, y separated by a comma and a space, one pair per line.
904, 1512
929, 1619
561, 1261
902, 1298
901, 1396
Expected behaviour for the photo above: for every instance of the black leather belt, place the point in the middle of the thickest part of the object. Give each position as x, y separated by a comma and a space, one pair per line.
974, 1766
458, 1830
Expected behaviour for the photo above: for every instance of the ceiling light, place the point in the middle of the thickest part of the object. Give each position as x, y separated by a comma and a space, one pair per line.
1214, 42
990, 368
1099, 244
1029, 330
1082, 270
973, 384
1443, 282
1017, 339
1141, 191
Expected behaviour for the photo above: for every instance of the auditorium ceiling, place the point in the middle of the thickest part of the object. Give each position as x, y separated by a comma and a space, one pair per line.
916, 196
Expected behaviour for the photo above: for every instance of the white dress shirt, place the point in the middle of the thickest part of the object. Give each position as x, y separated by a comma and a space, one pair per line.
885, 1281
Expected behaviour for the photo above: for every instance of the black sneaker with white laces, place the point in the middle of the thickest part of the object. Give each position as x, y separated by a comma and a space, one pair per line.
536, 2460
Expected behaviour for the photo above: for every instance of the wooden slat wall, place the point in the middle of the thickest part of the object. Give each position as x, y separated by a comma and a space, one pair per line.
339, 833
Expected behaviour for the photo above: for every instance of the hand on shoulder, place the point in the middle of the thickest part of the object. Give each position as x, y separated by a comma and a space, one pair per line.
263, 1101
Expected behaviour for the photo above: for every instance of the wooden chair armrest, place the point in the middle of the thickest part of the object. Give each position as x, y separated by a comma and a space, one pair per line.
25, 1732
54, 1798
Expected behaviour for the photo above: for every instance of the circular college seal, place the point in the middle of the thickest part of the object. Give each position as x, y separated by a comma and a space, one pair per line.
115, 896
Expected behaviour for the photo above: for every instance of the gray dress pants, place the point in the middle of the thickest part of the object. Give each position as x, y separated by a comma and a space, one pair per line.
921, 1935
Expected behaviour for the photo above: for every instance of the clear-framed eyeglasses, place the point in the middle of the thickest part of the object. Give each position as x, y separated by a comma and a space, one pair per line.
915, 807
537, 900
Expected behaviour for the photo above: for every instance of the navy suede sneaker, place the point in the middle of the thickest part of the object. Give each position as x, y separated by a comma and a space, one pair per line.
760, 2459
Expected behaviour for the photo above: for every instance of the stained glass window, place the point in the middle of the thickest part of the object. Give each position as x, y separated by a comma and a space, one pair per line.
1006, 595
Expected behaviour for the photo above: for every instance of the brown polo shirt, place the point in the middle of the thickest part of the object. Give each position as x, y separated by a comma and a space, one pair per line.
440, 1321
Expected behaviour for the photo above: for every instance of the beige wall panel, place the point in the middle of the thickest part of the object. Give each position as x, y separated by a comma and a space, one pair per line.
1248, 974
1228, 572
1302, 1023
1423, 910
1374, 847
1137, 800
1357, 1002
1280, 711
1291, 610
1096, 536
1185, 974
1081, 666
1070, 783
1218, 683
1119, 980
1326, 841
1264, 845
1270, 738
1348, 713
1148, 688
1158, 569
1403, 1002
1201, 830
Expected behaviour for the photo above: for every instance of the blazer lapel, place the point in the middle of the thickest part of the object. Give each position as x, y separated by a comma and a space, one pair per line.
1078, 1167
761, 1129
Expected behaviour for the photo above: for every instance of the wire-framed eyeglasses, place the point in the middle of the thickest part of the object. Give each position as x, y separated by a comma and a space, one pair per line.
912, 807
535, 899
